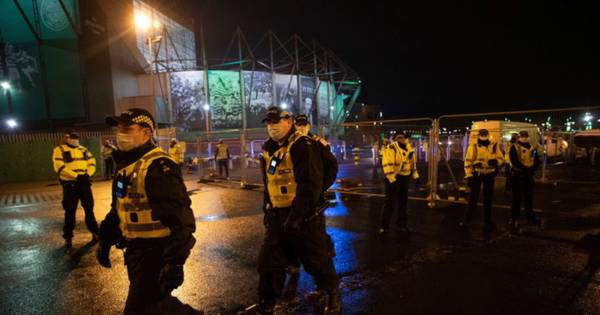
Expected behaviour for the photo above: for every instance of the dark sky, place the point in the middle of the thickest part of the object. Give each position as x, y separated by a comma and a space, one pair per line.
431, 57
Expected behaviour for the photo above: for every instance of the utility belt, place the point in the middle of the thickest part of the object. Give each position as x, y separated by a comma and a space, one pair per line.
494, 172
284, 212
148, 243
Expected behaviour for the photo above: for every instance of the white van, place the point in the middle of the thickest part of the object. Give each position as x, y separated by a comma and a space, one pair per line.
501, 131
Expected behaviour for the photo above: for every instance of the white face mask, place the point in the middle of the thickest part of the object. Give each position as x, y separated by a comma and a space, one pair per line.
125, 142
276, 131
73, 142
303, 129
483, 138
524, 139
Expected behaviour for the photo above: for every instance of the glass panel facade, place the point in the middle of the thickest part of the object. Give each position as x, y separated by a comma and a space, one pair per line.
176, 49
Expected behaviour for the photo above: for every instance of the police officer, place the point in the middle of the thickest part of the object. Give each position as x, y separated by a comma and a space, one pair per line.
150, 215
330, 166
109, 164
330, 163
222, 157
507, 168
525, 160
293, 177
176, 152
399, 163
482, 162
75, 165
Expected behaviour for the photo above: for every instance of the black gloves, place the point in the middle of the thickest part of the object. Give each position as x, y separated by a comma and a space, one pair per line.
102, 253
83, 179
170, 278
493, 163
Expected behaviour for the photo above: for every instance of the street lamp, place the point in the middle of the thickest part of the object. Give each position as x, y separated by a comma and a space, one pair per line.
284, 105
145, 24
5, 85
206, 108
12, 123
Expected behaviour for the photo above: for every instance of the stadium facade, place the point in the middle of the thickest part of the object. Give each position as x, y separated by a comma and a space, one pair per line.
66, 63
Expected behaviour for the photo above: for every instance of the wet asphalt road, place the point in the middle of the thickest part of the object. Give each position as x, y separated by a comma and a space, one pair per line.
435, 269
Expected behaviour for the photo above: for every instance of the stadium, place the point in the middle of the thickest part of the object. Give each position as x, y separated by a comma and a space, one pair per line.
68, 63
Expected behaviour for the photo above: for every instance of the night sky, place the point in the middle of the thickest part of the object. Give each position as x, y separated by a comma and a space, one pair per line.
431, 57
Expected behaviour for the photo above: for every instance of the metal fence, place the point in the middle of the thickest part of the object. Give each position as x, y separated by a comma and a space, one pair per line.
440, 145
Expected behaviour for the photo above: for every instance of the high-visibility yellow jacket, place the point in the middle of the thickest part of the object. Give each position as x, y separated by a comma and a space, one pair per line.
279, 169
478, 158
176, 152
69, 162
222, 152
133, 208
526, 156
398, 161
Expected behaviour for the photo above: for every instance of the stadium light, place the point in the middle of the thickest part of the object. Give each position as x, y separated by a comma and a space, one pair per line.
206, 107
12, 123
587, 117
284, 105
142, 21
5, 85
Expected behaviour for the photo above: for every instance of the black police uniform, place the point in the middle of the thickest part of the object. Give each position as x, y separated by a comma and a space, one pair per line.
310, 242
523, 184
146, 257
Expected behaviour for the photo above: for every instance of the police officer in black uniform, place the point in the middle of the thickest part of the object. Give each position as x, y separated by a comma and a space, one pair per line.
293, 177
150, 216
525, 160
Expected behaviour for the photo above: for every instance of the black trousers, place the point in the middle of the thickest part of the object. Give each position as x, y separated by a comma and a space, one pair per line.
396, 196
144, 263
109, 168
74, 192
523, 186
475, 184
222, 164
508, 171
310, 245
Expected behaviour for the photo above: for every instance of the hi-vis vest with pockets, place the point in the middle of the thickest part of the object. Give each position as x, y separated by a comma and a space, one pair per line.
481, 154
396, 160
525, 155
70, 162
134, 209
282, 184
407, 166
222, 152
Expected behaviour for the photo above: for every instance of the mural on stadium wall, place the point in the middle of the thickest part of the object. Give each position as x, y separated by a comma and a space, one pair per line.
187, 95
188, 98
225, 104
20, 62
325, 98
286, 87
308, 94
260, 98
